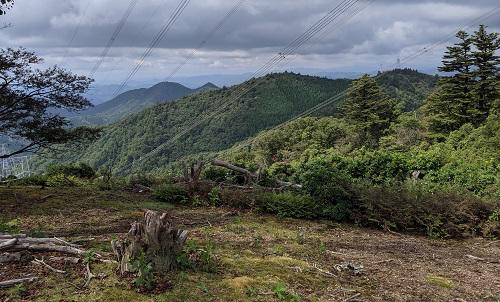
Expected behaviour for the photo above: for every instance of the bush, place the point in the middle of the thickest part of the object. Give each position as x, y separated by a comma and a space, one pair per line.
438, 215
80, 170
321, 179
33, 180
288, 204
171, 193
62, 180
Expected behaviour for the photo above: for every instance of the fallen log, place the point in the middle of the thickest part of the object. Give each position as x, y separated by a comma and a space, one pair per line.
156, 238
34, 247
229, 166
251, 175
10, 236
7, 243
13, 282
29, 240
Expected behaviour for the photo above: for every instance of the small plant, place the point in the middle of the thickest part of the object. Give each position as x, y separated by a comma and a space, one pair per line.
279, 250
197, 257
283, 294
89, 256
203, 287
214, 197
144, 277
17, 292
322, 248
11, 226
38, 232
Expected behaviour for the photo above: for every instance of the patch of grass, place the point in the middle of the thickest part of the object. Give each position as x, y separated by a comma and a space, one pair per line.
10, 226
439, 281
284, 294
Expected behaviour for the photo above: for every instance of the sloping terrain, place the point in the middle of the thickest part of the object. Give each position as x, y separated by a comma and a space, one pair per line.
142, 142
134, 101
259, 257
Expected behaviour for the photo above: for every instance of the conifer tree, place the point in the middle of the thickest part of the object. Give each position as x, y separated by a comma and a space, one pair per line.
487, 73
369, 108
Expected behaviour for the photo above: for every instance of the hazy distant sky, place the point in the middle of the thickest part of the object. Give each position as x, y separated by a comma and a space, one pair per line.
384, 31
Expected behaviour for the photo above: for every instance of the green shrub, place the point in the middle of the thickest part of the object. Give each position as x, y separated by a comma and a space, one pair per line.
171, 193
10, 226
80, 170
33, 180
198, 257
288, 204
144, 278
216, 174
62, 180
442, 214
214, 197
322, 179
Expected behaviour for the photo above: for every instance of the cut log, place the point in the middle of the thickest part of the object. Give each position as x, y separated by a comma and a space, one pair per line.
156, 237
10, 283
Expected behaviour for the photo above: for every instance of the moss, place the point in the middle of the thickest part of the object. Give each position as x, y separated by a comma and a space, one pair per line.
439, 281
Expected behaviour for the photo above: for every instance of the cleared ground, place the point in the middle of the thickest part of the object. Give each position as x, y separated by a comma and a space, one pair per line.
260, 258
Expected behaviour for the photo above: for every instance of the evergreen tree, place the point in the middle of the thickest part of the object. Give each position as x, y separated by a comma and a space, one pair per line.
487, 73
448, 108
369, 108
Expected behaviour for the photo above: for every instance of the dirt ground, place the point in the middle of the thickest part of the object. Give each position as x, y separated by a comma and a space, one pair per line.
259, 258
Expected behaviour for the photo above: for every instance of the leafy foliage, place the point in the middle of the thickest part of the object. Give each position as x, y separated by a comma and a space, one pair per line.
28, 96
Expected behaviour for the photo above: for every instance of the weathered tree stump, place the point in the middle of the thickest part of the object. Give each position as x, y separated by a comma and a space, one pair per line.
156, 237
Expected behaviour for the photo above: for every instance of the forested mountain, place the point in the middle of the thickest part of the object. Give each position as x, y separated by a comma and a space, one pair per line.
408, 86
135, 101
271, 100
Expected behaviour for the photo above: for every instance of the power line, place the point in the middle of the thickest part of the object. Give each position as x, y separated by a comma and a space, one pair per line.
154, 43
209, 36
114, 36
77, 29
341, 95
293, 46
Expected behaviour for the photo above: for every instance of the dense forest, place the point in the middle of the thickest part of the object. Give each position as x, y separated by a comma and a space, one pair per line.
271, 100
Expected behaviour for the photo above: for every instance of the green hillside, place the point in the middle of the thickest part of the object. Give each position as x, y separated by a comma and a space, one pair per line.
271, 100
134, 101
407, 85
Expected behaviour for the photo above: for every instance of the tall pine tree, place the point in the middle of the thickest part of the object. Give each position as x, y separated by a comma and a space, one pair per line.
448, 108
369, 108
487, 73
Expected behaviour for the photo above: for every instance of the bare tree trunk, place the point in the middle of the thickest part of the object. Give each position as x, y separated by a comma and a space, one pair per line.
156, 237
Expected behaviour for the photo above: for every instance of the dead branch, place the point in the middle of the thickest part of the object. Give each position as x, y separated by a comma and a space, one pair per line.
89, 275
352, 297
73, 260
41, 262
10, 236
327, 273
10, 283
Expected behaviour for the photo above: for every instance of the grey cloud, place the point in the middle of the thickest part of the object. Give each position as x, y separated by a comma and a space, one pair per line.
383, 31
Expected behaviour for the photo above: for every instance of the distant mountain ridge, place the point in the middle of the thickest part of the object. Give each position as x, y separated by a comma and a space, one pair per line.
127, 145
134, 101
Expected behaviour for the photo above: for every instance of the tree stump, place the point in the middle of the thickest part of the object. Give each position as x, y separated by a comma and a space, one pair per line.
156, 237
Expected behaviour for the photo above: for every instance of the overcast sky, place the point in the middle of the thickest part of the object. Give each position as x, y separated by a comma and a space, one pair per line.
382, 32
